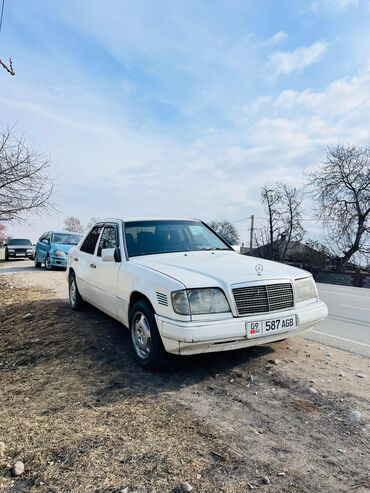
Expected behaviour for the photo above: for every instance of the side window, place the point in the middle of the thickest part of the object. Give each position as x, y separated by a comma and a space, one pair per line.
108, 239
91, 239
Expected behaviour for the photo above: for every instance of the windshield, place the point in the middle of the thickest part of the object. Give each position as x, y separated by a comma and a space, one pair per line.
66, 238
19, 242
151, 237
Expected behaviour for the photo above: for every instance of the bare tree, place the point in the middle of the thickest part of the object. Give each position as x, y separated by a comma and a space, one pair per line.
291, 217
92, 221
341, 188
271, 199
3, 235
25, 184
283, 206
226, 230
9, 68
73, 224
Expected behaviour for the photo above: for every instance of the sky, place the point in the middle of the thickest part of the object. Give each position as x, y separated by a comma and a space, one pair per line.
182, 107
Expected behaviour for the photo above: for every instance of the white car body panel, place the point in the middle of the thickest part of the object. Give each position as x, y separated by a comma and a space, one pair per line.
111, 285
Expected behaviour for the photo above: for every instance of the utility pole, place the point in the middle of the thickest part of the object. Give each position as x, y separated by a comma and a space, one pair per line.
251, 236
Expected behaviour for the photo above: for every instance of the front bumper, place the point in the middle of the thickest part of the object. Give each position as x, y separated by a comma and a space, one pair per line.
20, 255
58, 261
222, 335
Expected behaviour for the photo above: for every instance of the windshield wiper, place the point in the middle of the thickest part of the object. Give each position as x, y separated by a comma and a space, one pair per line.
212, 248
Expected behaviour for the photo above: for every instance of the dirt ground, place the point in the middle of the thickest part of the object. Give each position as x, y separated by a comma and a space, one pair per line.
83, 417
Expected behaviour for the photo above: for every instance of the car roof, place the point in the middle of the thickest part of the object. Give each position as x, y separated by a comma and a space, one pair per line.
65, 233
143, 218
23, 239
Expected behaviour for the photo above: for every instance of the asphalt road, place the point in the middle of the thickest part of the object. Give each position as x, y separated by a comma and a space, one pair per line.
347, 326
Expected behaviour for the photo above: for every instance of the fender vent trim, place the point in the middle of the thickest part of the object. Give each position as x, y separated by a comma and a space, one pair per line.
162, 299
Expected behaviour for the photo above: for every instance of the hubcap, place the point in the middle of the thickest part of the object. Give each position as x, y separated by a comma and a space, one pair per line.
141, 336
47, 263
72, 292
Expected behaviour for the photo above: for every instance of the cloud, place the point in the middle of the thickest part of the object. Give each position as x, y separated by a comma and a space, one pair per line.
276, 39
285, 62
108, 167
333, 5
166, 111
341, 98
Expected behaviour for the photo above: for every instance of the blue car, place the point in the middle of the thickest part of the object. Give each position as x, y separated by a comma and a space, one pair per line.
52, 248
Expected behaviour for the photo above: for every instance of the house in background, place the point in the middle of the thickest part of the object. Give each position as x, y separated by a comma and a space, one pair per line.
311, 256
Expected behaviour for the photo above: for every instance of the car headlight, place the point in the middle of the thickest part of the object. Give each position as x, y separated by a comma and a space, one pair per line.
29, 250
11, 250
305, 289
59, 253
199, 301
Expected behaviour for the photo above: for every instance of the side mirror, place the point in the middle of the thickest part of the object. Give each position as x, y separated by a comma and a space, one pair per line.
45, 241
111, 255
107, 255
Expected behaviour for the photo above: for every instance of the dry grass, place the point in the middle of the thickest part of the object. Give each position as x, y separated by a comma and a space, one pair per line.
80, 414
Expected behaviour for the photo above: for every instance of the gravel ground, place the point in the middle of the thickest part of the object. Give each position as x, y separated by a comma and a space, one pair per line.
82, 417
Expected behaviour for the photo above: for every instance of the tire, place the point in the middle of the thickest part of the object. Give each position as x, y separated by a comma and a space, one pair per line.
37, 263
47, 263
146, 342
6, 258
76, 301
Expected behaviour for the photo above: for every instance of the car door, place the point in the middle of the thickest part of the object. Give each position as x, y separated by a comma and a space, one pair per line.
43, 246
104, 274
82, 261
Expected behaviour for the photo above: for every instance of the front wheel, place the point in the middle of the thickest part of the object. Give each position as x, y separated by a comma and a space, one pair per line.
47, 262
146, 342
75, 299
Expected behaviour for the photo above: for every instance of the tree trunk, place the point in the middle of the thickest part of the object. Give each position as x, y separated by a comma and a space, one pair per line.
343, 261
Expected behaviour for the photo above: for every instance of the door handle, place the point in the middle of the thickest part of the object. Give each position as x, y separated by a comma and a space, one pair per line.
93, 266
75, 259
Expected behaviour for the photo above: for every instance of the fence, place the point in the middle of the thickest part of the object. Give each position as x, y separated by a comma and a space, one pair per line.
358, 279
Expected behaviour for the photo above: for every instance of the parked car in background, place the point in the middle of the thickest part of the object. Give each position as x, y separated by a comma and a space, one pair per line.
19, 248
52, 248
181, 289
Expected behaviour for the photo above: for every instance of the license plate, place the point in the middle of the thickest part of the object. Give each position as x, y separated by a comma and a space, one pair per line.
19, 254
270, 327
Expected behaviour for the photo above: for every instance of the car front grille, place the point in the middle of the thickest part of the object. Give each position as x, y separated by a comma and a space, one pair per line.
21, 251
263, 298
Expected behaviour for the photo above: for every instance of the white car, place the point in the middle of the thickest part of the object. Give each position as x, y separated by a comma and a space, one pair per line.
182, 289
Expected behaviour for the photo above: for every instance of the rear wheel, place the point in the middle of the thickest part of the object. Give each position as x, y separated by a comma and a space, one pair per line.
146, 342
75, 299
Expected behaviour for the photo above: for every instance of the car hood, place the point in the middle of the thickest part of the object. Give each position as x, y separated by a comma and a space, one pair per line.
216, 268
62, 246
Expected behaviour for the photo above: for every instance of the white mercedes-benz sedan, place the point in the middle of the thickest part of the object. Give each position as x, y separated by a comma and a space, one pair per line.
182, 289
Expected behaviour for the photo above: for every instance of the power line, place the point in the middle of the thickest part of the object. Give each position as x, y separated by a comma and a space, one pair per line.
2, 14
240, 220
314, 219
